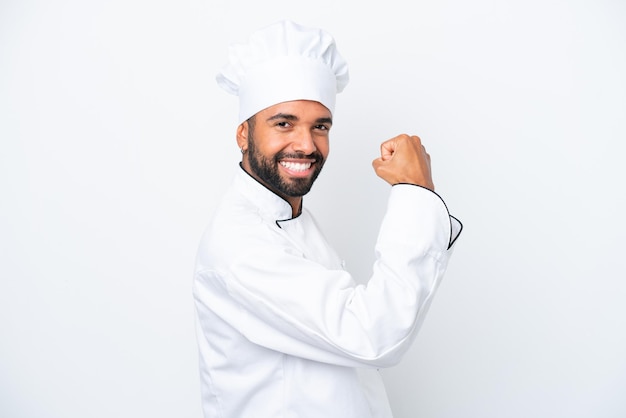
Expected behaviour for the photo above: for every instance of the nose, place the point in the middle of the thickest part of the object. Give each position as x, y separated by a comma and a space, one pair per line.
304, 143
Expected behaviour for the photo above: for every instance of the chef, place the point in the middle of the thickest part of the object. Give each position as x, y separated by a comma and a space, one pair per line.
283, 329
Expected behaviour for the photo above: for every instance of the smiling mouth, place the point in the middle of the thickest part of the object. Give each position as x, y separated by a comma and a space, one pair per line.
296, 166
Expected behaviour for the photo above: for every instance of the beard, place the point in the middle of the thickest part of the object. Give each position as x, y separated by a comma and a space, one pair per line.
266, 168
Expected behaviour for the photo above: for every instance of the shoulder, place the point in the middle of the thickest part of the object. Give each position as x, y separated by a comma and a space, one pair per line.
235, 228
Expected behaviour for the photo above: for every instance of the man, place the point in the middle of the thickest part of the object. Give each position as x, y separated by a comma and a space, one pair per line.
283, 329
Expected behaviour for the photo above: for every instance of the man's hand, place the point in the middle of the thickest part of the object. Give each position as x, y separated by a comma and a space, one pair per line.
404, 159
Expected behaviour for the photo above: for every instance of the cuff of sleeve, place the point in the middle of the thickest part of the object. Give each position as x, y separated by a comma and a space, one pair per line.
429, 207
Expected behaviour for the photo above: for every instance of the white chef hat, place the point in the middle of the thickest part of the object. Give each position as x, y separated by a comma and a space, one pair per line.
283, 62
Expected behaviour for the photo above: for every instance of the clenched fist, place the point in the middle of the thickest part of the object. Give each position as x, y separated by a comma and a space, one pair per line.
404, 159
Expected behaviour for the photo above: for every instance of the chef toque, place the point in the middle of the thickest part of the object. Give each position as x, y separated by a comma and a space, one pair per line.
284, 62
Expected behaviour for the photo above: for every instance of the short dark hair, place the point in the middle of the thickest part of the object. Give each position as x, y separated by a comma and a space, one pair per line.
251, 121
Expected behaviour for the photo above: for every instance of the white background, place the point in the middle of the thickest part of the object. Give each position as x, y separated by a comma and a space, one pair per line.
115, 143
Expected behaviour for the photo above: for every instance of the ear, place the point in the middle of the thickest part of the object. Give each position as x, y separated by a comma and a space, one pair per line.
242, 135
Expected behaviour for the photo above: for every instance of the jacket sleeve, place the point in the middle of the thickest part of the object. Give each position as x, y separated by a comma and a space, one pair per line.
283, 301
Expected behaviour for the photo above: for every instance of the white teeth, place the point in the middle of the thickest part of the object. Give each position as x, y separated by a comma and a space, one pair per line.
295, 166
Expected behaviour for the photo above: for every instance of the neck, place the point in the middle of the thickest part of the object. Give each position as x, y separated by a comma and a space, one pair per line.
296, 205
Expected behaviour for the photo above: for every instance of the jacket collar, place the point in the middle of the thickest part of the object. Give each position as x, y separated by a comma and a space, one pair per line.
268, 203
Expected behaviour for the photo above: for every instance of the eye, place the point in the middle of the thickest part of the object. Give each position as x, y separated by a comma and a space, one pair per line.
322, 127
283, 124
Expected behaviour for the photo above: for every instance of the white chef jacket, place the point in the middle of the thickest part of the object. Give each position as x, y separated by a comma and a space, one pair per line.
284, 331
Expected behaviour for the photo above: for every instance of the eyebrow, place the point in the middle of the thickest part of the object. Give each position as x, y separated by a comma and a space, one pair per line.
325, 120
282, 116
289, 116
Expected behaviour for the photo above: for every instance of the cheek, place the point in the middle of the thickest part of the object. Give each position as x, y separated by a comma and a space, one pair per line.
323, 146
269, 145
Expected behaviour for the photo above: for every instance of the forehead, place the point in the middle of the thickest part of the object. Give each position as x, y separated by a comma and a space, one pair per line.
302, 109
